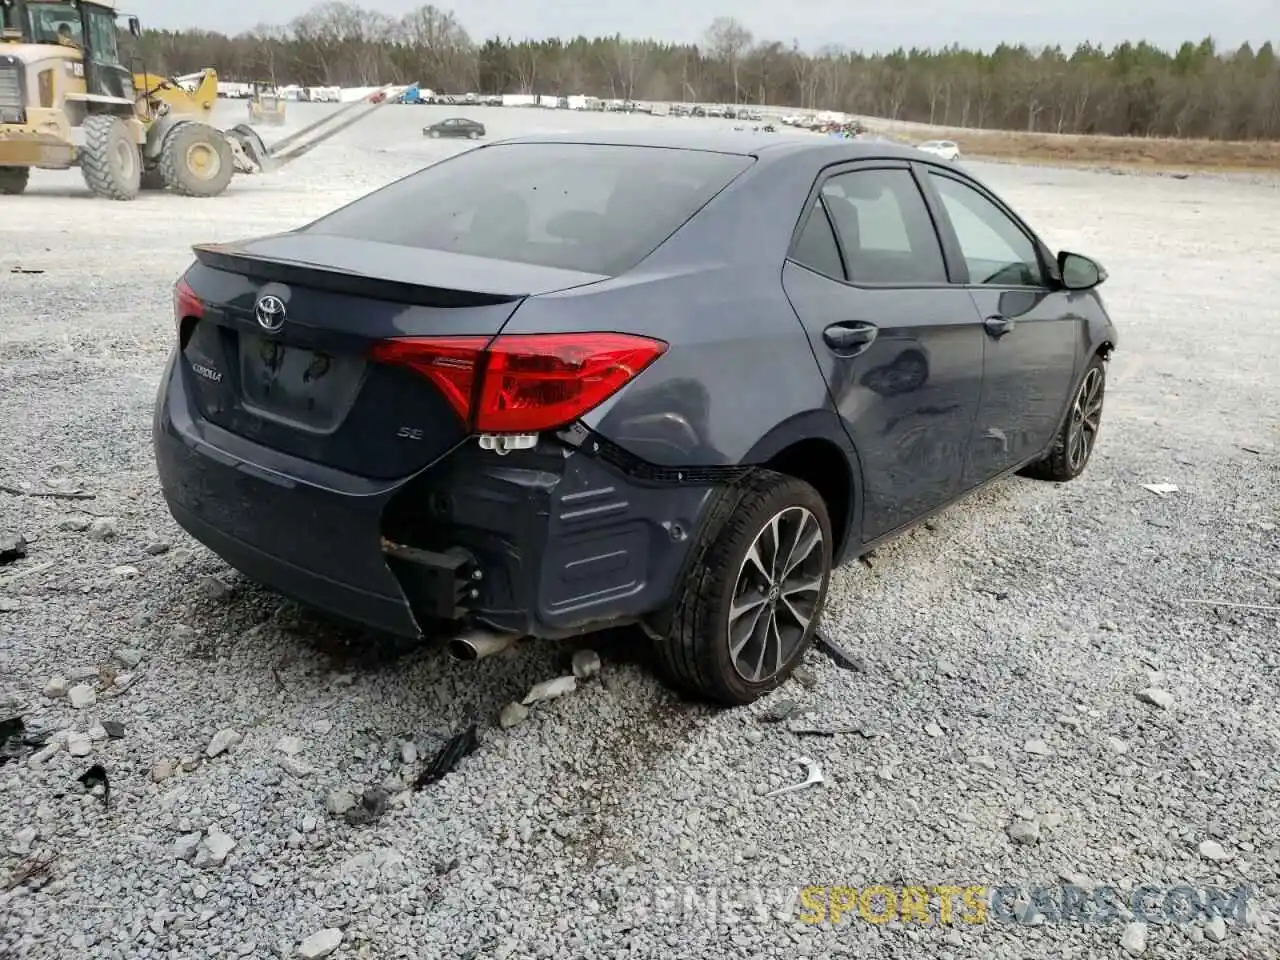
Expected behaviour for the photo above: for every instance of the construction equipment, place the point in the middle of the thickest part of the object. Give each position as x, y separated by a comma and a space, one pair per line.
67, 100
266, 105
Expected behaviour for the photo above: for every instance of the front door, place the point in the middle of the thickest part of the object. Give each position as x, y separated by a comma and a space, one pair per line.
900, 347
1032, 335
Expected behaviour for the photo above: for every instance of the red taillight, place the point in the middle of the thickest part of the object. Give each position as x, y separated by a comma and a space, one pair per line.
185, 302
527, 382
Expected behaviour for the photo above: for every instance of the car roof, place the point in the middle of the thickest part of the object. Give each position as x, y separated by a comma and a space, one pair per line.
747, 143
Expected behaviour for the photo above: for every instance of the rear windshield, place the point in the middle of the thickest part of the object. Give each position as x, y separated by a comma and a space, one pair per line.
595, 208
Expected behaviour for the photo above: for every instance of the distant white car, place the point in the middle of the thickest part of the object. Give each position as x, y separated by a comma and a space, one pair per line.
946, 149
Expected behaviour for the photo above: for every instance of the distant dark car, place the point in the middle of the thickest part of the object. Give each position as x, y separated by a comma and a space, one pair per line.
667, 379
455, 127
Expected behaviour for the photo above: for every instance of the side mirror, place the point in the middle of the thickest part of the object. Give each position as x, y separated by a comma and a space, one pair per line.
1079, 272
135, 27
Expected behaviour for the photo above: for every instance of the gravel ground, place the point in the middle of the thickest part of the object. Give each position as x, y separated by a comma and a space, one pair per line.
1003, 646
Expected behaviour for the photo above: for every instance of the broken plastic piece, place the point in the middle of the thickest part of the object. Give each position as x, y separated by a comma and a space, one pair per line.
837, 655
450, 754
94, 777
550, 689
813, 779
1161, 489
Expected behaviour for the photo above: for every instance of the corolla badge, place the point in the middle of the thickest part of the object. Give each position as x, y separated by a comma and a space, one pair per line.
270, 313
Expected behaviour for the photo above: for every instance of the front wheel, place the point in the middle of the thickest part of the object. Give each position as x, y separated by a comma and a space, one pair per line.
435, 134
1075, 441
196, 160
755, 590
109, 160
473, 135
13, 180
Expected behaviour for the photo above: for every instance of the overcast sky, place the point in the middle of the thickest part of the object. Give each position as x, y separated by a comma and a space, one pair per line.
877, 26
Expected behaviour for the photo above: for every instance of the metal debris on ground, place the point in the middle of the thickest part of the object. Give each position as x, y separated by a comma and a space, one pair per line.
13, 547
94, 780
802, 729
372, 805
459, 746
550, 689
814, 778
50, 494
1161, 489
835, 653
1269, 608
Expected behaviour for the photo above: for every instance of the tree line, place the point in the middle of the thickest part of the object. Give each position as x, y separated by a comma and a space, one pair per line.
1132, 89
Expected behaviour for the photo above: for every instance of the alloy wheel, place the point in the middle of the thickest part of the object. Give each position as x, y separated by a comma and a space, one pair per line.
776, 595
1086, 418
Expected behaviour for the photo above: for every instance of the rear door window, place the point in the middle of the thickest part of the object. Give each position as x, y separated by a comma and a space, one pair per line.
590, 207
884, 227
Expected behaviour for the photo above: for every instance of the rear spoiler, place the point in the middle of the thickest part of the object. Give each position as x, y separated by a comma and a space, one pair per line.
338, 280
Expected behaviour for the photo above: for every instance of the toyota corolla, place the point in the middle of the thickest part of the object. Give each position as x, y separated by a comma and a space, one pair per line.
670, 379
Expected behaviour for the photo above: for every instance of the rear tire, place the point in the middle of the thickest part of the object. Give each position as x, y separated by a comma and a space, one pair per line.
1073, 446
754, 593
473, 135
110, 161
196, 160
13, 180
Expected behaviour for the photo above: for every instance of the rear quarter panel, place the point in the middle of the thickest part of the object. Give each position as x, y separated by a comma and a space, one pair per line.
738, 365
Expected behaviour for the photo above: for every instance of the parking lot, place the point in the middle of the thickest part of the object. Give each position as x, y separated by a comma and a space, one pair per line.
1002, 647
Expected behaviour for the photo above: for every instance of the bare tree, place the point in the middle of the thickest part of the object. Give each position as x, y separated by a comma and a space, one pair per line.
728, 40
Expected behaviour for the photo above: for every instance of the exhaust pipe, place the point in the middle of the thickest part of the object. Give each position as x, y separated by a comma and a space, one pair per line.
480, 643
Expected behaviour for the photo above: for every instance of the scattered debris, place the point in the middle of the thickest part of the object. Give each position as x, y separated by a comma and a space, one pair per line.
1216, 930
805, 677
1161, 489
129, 657
22, 841
212, 587
459, 746
50, 494
82, 695
214, 848
114, 729
296, 767
373, 804
813, 779
12, 733
932, 729
550, 689
339, 802
802, 729
13, 547
1024, 831
836, 654
1269, 608
1039, 748
96, 782
290, 746
512, 715
1134, 939
34, 870
161, 771
104, 528
1157, 698
1212, 850
79, 744
586, 664
184, 848
9, 605
779, 711
321, 944
408, 753
223, 741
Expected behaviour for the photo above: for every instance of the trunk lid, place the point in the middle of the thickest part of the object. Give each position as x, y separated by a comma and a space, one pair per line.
298, 379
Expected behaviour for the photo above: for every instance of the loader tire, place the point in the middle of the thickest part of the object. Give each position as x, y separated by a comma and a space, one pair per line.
109, 160
13, 180
196, 160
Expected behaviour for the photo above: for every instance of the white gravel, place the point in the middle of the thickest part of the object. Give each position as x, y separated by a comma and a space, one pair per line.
1031, 615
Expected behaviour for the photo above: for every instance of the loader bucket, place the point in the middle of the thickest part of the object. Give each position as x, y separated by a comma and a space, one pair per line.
247, 139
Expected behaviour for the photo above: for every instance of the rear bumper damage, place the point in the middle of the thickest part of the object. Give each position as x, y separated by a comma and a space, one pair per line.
548, 542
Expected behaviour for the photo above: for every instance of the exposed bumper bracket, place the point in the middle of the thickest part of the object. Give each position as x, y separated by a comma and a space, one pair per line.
438, 585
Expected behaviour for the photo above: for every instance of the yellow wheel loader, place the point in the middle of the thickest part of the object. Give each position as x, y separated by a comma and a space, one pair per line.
66, 100
266, 105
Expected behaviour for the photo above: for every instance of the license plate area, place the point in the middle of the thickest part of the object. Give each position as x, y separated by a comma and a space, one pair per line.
312, 389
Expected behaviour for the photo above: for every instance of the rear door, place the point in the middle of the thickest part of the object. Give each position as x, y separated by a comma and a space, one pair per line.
1032, 335
899, 345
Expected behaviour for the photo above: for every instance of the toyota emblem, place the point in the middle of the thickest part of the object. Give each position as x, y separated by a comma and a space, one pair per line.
270, 313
